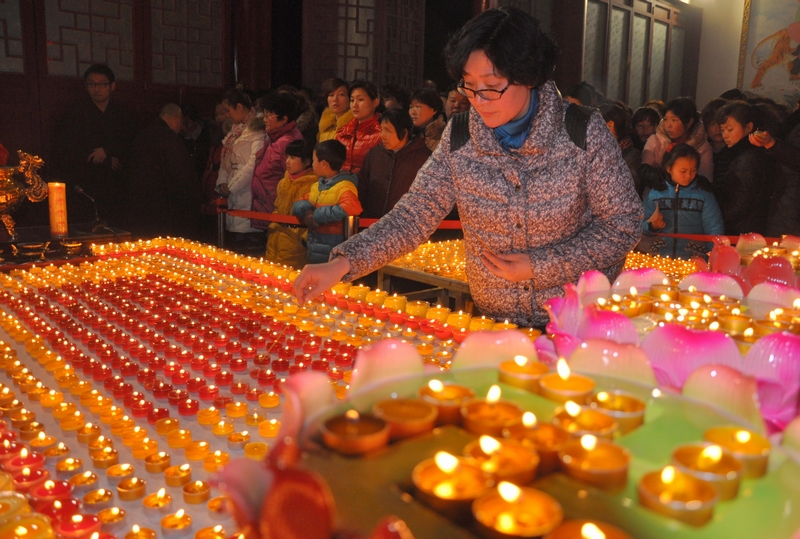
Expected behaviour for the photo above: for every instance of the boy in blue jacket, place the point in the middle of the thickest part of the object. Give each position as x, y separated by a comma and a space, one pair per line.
331, 199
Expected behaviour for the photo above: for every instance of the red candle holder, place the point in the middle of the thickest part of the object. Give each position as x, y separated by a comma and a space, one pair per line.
239, 364
280, 365
122, 390
180, 377
397, 317
184, 357
222, 401
31, 460
199, 363
50, 491
444, 333
320, 365
223, 379
59, 510
343, 360
131, 398
460, 335
141, 408
78, 526
328, 353
311, 347
194, 385
208, 393
188, 407
253, 393
29, 478
161, 390
129, 370
265, 378
223, 358
157, 413
177, 395
212, 370
144, 375
262, 360
334, 373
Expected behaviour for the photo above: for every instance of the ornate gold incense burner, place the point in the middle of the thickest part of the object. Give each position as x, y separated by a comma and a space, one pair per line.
12, 192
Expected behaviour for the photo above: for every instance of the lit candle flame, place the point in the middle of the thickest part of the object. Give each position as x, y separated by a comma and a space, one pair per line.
135, 529
572, 408
509, 491
41, 436
665, 281
591, 531
77, 519
713, 326
736, 311
748, 332
692, 289
528, 420
616, 297
603, 396
24, 453
179, 514
351, 415
668, 475
563, 369
436, 386
521, 360
743, 436
634, 292
185, 468
664, 297
588, 442
161, 493
489, 445
493, 395
712, 453
694, 305
446, 462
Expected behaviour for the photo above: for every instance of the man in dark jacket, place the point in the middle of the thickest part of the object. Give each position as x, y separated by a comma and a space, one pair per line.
390, 168
91, 146
163, 196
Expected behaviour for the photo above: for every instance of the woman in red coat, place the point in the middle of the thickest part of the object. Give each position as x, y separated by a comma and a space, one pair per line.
363, 132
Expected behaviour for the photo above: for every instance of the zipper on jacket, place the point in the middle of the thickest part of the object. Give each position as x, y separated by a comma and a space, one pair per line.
675, 224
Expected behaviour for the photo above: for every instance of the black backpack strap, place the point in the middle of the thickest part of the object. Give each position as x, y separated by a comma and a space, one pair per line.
576, 122
459, 132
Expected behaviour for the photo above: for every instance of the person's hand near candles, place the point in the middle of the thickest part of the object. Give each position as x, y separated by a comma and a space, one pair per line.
318, 278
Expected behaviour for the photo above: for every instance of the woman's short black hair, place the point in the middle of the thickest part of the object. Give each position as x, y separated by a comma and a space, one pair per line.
369, 88
331, 151
428, 97
234, 97
512, 40
709, 112
742, 112
331, 85
396, 92
400, 120
685, 109
680, 150
281, 104
614, 111
646, 113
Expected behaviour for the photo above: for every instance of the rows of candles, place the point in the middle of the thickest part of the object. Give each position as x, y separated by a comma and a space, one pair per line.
489, 484
697, 309
674, 268
444, 258
193, 330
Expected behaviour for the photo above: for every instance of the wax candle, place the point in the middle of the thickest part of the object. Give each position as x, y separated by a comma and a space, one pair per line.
256, 451
118, 472
627, 410
166, 425
140, 533
131, 489
208, 416
214, 462
352, 433
406, 417
143, 449
176, 525
196, 450
28, 478
579, 421
547, 439
598, 462
68, 466
448, 399
449, 484
196, 492
504, 460
59, 509
98, 499
157, 462
522, 372
50, 491
586, 529
157, 503
105, 458
269, 428
177, 476
112, 518
564, 386
713, 464
750, 448
491, 415
133, 436
212, 532
511, 511
25, 459
88, 432
178, 439
83, 482
78, 526
678, 495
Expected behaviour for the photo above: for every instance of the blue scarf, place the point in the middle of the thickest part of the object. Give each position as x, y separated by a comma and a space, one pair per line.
513, 134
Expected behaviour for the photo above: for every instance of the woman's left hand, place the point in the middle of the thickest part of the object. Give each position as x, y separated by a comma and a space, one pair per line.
512, 267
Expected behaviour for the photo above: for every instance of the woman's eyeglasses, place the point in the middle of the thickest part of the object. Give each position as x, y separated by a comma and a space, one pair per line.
488, 94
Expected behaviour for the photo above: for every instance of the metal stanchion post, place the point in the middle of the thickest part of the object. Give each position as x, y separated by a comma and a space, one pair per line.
350, 226
221, 230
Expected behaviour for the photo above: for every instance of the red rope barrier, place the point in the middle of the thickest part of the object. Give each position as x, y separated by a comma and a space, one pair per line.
702, 237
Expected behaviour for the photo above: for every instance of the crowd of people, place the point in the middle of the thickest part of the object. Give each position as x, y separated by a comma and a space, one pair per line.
729, 168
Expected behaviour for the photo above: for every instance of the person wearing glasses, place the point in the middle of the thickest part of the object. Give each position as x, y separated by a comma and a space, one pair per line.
536, 209
91, 148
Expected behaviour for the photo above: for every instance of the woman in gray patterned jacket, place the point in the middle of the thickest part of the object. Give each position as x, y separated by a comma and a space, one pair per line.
540, 203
